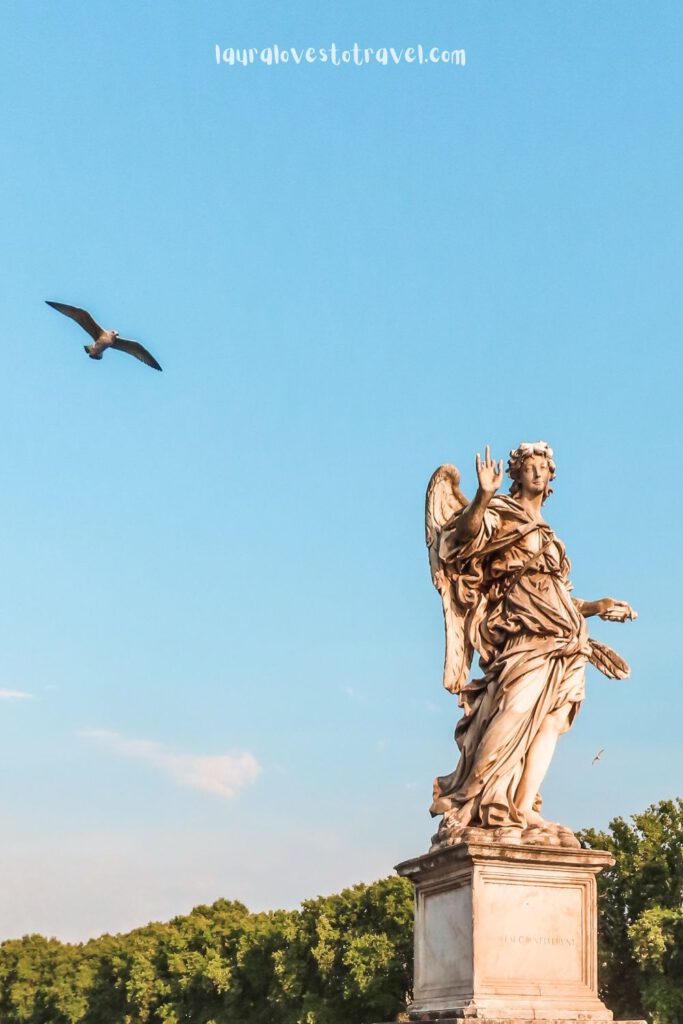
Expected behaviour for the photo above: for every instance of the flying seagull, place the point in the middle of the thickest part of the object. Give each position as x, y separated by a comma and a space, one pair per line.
102, 340
598, 756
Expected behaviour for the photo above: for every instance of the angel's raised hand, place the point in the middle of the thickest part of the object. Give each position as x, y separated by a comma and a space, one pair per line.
489, 473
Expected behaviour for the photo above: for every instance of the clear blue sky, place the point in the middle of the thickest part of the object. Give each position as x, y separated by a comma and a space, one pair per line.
350, 275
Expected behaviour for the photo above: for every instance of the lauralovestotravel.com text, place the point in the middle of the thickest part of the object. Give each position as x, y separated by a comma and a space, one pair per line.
335, 56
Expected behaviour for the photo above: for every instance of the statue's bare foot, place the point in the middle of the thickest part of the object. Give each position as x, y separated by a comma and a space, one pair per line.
534, 820
539, 829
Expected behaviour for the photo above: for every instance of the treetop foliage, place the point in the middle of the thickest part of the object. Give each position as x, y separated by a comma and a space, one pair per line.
342, 959
640, 905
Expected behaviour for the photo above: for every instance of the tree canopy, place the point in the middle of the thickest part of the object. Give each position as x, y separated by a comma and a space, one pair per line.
341, 958
640, 906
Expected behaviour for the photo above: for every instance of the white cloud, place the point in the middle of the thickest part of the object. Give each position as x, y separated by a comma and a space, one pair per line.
14, 695
222, 774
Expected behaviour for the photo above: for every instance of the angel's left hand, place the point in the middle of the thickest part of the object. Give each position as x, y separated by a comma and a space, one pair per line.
612, 610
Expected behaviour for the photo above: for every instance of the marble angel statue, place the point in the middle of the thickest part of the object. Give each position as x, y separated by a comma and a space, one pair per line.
503, 576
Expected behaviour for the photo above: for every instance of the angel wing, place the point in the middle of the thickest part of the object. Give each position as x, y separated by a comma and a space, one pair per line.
608, 661
444, 499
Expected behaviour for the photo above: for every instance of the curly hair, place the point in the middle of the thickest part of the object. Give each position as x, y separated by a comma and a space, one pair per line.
518, 458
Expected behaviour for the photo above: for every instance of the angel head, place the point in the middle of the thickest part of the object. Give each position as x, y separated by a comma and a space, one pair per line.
531, 468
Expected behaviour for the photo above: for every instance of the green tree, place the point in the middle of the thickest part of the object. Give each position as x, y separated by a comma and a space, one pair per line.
349, 956
340, 958
641, 914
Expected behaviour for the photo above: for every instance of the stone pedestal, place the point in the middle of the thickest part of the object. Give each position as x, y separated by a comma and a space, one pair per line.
506, 933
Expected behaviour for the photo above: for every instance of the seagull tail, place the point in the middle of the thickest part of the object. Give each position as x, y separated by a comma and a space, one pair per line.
87, 349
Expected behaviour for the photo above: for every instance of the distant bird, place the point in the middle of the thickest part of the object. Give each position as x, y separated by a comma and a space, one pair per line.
598, 756
102, 340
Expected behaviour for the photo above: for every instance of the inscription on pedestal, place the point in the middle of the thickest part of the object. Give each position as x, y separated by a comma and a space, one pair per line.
536, 930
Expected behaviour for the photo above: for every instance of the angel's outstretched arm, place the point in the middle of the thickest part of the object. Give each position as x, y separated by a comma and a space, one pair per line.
490, 477
607, 608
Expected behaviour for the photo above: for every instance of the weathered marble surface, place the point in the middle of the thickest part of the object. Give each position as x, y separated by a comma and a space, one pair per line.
506, 932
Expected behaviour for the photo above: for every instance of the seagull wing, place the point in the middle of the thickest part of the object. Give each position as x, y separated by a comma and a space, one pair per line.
134, 348
81, 316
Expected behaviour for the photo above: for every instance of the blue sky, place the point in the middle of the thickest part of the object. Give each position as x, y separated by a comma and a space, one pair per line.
215, 588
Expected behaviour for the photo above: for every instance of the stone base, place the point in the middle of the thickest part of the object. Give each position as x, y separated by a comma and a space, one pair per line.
408, 1019
580, 1019
439, 1019
550, 833
572, 1018
506, 933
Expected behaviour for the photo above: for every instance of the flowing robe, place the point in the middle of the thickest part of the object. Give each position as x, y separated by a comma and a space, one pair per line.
512, 583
